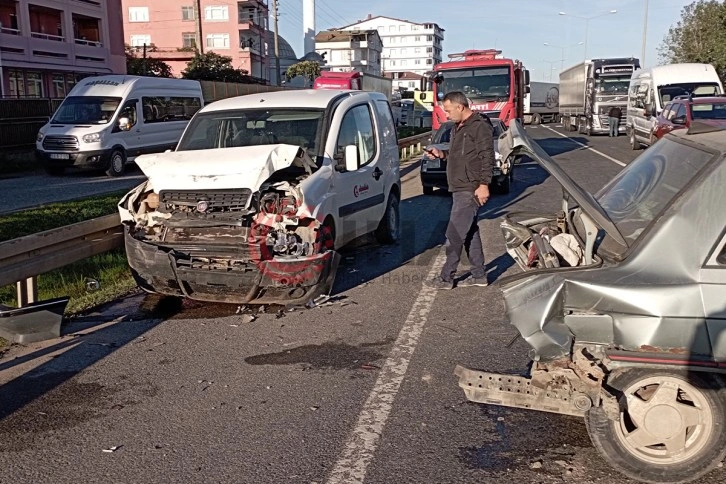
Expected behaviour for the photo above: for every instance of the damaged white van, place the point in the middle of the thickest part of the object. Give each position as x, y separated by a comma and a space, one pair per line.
260, 192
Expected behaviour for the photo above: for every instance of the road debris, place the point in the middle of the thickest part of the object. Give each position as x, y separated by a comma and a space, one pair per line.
536, 464
112, 449
369, 366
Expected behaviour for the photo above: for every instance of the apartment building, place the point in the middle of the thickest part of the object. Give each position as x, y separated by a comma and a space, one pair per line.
350, 50
408, 81
407, 46
173, 29
46, 46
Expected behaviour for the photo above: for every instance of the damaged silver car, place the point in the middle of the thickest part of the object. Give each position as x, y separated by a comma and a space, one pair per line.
260, 193
622, 297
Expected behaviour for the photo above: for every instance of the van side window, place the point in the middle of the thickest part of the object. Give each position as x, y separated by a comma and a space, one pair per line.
162, 109
387, 126
357, 129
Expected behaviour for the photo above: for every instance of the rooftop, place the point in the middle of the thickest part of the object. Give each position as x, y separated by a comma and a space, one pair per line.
343, 35
370, 17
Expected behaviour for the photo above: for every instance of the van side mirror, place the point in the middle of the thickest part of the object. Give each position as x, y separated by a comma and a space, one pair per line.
351, 158
526, 77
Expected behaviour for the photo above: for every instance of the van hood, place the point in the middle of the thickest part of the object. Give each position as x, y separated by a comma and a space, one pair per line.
72, 129
517, 142
221, 168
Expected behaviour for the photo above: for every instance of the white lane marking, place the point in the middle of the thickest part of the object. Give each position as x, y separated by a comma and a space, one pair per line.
588, 147
361, 446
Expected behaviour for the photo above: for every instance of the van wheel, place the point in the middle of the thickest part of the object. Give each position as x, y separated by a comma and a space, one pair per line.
389, 229
634, 144
117, 164
670, 427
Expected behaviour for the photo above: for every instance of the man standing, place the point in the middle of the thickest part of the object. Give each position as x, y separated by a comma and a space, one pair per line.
614, 115
469, 167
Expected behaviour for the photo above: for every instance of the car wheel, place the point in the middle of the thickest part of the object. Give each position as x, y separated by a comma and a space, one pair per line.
428, 190
117, 164
388, 231
670, 427
634, 144
55, 170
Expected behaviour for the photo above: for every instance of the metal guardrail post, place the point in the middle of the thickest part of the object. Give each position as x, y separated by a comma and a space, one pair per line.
27, 291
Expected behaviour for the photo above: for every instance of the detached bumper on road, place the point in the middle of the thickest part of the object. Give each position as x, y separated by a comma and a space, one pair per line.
196, 273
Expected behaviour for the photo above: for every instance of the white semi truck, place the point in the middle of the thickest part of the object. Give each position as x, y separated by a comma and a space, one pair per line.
589, 89
542, 103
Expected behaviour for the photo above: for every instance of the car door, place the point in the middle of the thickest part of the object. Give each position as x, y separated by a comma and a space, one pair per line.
713, 289
360, 193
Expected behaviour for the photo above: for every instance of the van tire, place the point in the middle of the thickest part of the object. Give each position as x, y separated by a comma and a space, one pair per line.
634, 143
116, 163
389, 229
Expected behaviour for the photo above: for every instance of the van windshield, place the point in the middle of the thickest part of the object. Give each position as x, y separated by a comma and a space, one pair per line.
86, 110
252, 127
696, 89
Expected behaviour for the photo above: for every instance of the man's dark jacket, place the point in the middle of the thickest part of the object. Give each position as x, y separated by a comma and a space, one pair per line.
471, 154
615, 112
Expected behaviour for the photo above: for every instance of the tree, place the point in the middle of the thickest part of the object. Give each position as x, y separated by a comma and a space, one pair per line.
308, 69
211, 66
138, 66
699, 36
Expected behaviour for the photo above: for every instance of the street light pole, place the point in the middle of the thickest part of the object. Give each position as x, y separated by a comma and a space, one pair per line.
587, 23
562, 59
645, 31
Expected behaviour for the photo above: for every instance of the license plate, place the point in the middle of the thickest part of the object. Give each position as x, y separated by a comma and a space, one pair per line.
60, 156
435, 163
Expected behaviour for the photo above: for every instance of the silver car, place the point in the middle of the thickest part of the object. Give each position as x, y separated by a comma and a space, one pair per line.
622, 297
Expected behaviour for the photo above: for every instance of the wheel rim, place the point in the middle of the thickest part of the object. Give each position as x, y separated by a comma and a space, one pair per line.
117, 162
667, 420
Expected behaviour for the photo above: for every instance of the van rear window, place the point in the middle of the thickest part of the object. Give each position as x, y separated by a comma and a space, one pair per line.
163, 109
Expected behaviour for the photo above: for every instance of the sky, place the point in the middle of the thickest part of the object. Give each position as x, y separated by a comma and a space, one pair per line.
519, 28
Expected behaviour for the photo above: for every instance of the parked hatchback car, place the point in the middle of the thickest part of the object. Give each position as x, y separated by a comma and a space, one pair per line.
433, 170
621, 297
681, 112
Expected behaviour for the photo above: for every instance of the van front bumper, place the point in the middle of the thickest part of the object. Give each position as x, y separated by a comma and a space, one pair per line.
85, 159
185, 272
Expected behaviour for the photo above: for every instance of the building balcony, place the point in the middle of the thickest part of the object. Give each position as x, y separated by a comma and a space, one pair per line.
9, 17
46, 23
87, 30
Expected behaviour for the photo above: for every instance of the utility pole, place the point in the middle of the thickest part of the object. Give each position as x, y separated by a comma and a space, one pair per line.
145, 63
645, 31
200, 45
277, 44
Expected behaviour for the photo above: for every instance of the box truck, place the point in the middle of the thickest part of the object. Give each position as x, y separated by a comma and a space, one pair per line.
358, 81
541, 103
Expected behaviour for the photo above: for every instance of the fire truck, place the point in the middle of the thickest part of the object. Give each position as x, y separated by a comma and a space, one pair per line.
493, 85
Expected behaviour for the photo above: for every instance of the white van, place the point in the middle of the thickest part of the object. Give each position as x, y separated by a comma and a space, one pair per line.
650, 89
108, 121
260, 193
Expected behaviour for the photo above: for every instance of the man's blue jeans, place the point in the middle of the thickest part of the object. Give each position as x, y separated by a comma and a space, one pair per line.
614, 126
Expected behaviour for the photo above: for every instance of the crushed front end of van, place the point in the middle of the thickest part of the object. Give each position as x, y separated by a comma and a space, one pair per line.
232, 228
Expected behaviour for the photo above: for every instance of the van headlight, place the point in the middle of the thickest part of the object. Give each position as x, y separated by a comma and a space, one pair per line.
92, 138
40, 137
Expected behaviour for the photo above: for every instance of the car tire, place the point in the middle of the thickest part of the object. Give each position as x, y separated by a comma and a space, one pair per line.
634, 143
664, 399
389, 228
428, 190
116, 163
55, 170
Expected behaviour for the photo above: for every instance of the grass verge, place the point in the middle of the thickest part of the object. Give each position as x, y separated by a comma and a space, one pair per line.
110, 269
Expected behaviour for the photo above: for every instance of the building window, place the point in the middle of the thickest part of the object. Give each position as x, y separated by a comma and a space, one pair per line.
429, 49
394, 52
138, 14
59, 85
140, 40
417, 62
417, 50
411, 83
429, 61
393, 62
187, 13
218, 41
216, 14
189, 40
34, 82
391, 28
415, 27
403, 52
404, 62
429, 38
17, 83
401, 28
381, 28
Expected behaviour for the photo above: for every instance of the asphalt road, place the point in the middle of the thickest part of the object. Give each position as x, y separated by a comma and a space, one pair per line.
358, 390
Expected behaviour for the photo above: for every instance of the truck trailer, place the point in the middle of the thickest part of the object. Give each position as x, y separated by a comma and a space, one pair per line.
357, 81
541, 103
589, 89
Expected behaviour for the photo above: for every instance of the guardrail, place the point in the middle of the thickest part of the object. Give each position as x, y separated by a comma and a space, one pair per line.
24, 258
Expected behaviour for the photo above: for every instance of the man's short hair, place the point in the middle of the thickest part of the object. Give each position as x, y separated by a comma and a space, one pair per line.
457, 97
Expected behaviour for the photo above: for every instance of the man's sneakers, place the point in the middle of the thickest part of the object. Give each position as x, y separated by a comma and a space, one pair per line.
472, 281
439, 283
